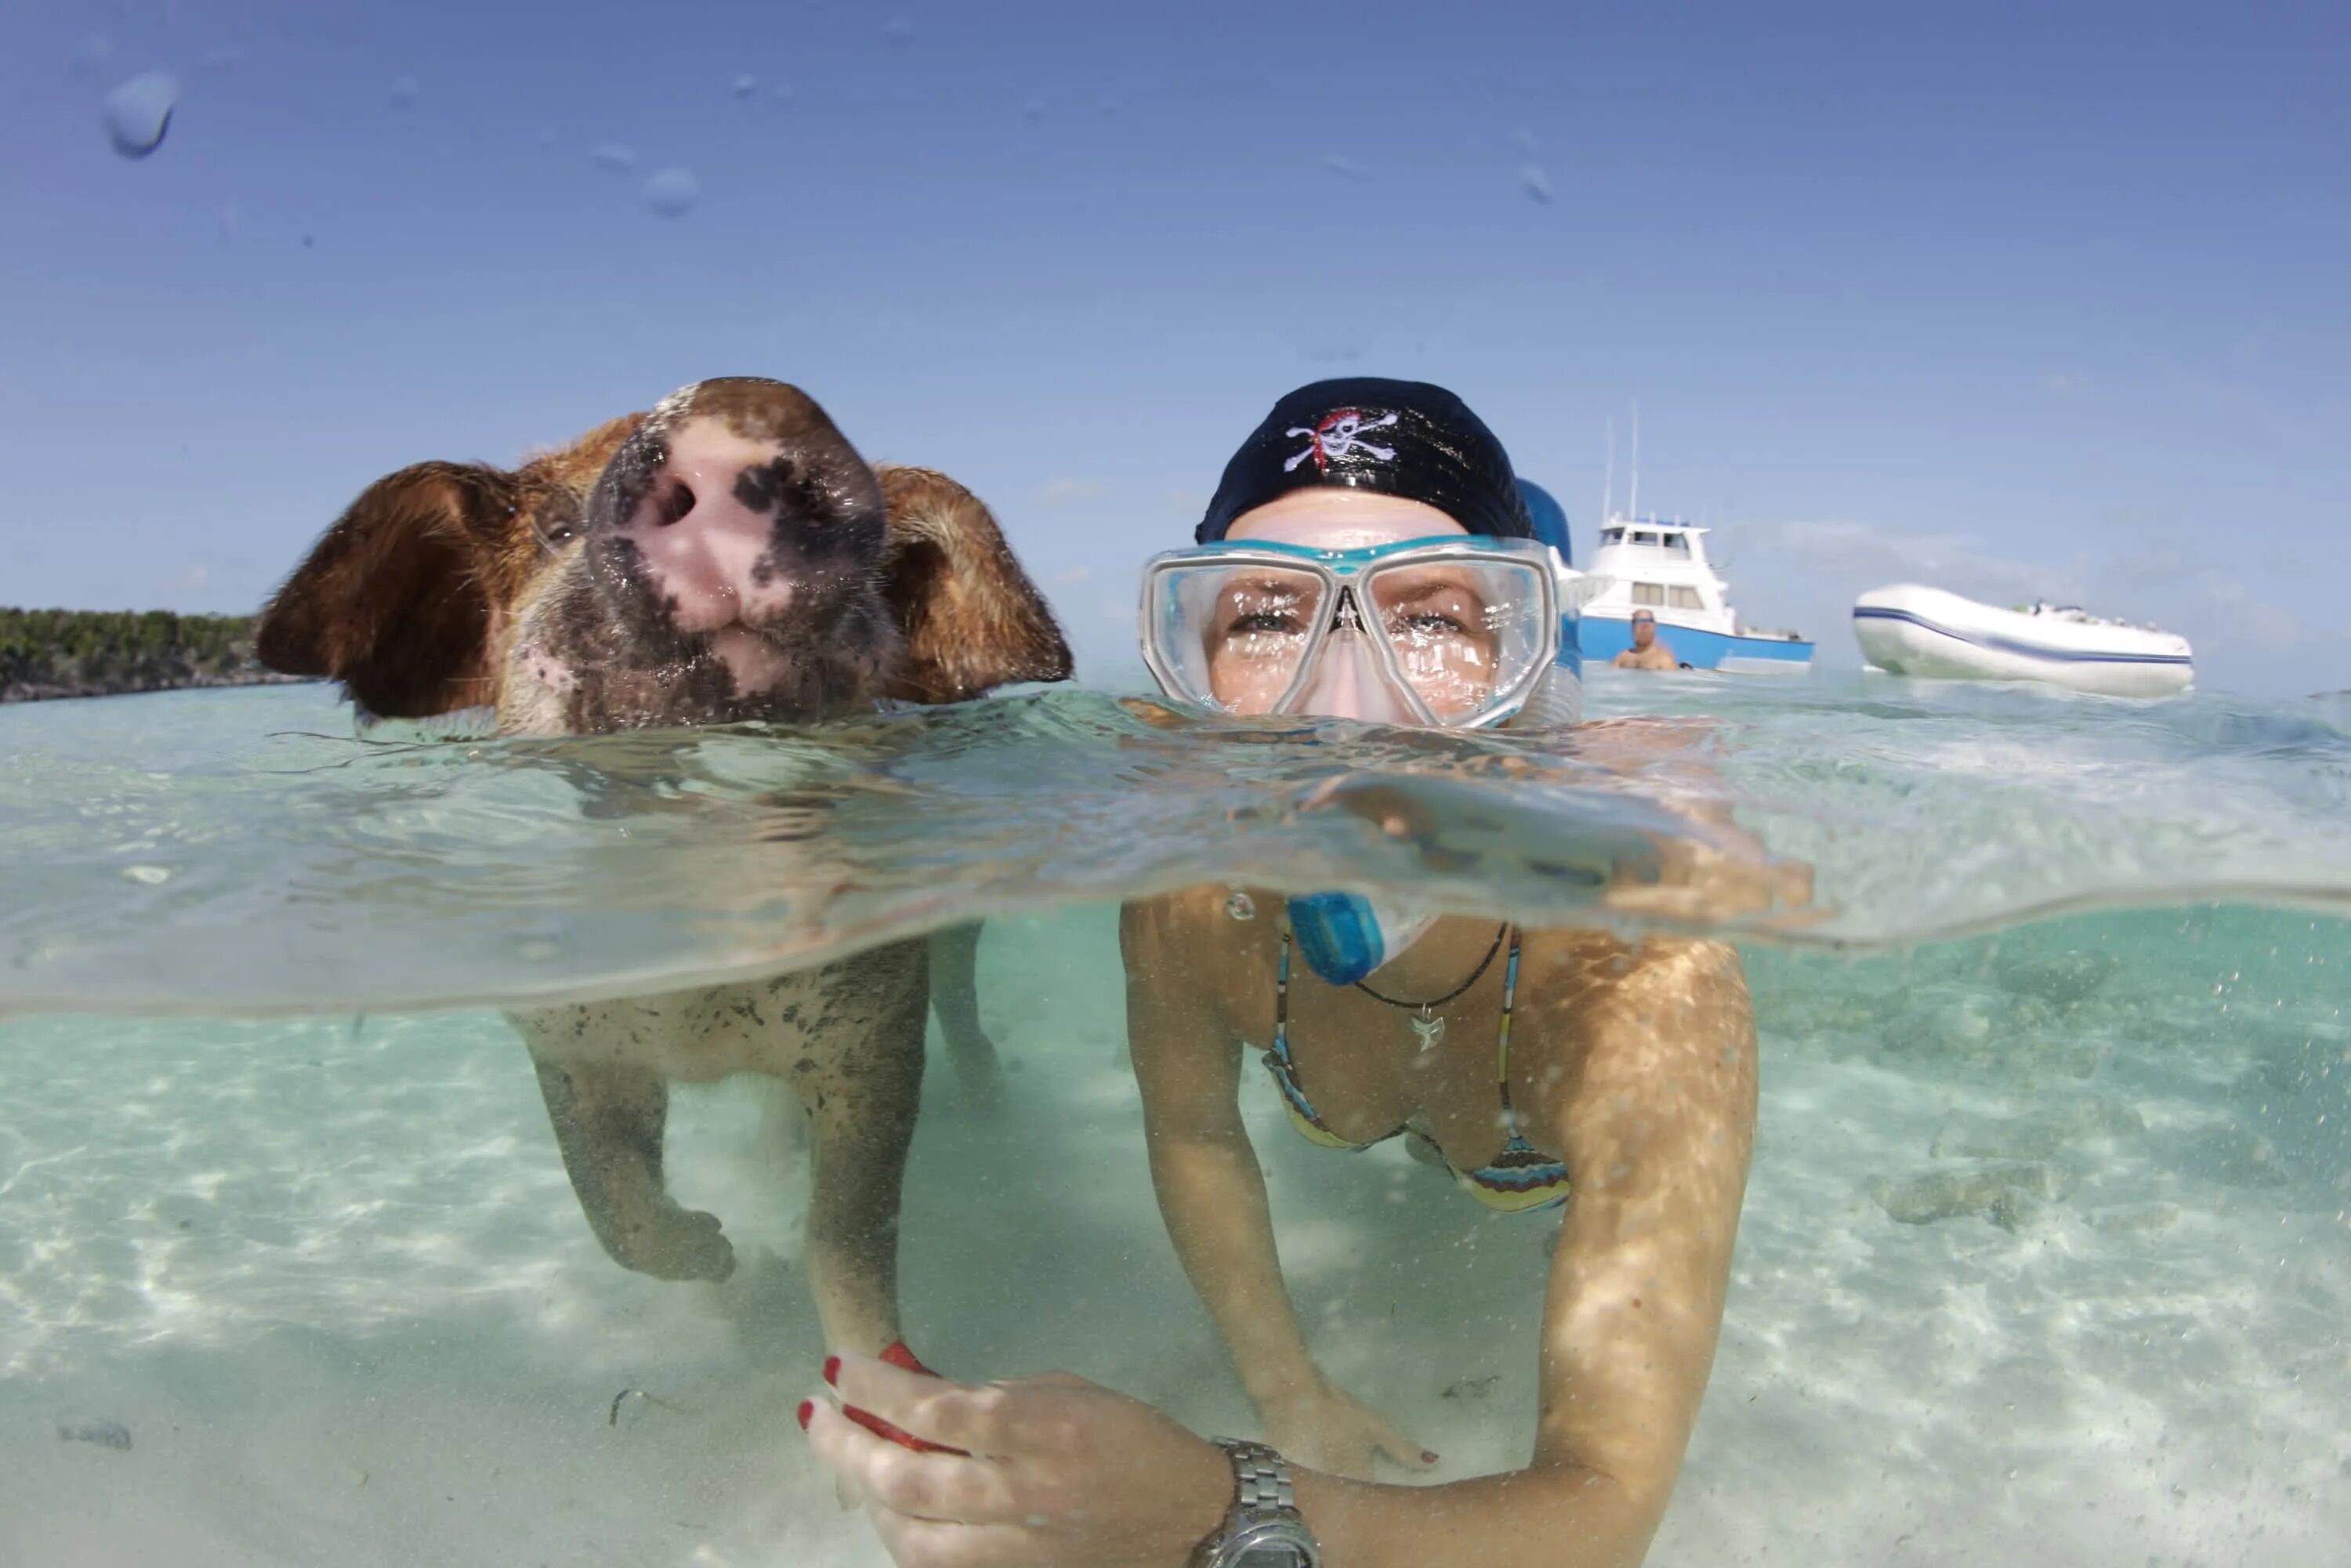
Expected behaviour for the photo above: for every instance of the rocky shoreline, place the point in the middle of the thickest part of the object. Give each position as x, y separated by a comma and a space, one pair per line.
56, 654
53, 690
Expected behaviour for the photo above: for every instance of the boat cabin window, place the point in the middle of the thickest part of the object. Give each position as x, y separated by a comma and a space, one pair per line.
1683, 599
1648, 593
1645, 538
1677, 544
1612, 536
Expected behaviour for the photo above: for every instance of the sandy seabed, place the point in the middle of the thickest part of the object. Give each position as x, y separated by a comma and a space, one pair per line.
328, 1281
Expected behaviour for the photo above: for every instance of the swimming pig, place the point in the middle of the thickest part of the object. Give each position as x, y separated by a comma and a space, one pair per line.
727, 556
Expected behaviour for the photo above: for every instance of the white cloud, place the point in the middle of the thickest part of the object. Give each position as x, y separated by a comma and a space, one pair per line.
1871, 555
1069, 489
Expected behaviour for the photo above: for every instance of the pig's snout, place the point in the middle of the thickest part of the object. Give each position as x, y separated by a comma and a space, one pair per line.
713, 532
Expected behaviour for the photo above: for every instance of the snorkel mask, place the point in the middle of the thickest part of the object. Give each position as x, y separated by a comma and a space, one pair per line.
1370, 616
1452, 630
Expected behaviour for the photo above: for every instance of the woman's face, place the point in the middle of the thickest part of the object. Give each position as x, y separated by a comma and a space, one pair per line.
1435, 616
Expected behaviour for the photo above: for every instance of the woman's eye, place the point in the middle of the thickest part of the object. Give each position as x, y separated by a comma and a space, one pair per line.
1262, 624
1430, 623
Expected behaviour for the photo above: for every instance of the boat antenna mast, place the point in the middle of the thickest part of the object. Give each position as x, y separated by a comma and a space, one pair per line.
1634, 504
1608, 483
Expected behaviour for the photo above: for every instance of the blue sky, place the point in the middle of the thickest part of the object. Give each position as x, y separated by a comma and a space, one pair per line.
2017, 299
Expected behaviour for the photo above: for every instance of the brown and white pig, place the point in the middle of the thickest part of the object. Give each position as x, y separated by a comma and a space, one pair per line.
727, 556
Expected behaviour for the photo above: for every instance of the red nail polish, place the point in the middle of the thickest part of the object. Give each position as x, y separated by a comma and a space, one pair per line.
898, 1355
833, 1369
806, 1412
904, 1439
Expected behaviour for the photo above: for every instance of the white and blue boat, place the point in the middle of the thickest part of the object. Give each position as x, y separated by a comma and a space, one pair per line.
1659, 564
1931, 634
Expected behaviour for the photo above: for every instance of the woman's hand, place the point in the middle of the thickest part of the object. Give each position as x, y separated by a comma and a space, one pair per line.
1055, 1472
1328, 1430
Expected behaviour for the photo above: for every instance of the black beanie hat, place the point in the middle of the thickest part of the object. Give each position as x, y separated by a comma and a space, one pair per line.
1398, 438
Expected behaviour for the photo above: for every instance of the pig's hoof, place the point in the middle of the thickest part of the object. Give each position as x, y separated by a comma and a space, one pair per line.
680, 1244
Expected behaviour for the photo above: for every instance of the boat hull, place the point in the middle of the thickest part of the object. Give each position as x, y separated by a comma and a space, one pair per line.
1603, 637
1933, 635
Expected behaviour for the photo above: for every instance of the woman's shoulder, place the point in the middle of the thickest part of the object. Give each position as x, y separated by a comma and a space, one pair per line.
1197, 922
1567, 964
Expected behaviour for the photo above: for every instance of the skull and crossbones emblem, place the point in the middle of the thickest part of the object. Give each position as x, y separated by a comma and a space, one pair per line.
1340, 434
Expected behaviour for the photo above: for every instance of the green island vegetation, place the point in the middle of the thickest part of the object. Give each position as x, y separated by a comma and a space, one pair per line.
88, 653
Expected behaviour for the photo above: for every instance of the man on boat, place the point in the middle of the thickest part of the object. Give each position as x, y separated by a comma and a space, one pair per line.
1647, 653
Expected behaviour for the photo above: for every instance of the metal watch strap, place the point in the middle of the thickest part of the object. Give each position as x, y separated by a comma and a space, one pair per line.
1261, 1478
1263, 1497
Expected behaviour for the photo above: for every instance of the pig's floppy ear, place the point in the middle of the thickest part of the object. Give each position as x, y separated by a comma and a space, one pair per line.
394, 599
972, 617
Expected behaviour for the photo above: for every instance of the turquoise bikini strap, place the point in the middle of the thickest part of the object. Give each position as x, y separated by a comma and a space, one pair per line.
1503, 1045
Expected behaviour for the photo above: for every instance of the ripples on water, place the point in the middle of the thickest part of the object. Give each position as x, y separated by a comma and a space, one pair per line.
243, 852
2045, 1259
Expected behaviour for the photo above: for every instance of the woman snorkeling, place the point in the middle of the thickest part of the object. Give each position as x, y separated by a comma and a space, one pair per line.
1368, 555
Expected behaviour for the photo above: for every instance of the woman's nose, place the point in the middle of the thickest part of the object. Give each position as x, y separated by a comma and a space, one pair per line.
1348, 681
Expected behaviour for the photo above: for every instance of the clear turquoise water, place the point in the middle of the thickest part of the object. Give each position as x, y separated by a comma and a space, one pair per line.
278, 1195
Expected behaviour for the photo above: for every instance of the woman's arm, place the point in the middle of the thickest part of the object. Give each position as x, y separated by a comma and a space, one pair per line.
1211, 1189
1212, 1197
1658, 1122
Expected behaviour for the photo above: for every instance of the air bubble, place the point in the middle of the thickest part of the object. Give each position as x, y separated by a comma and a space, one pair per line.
1536, 183
406, 90
899, 31
672, 192
153, 875
1340, 163
612, 155
745, 86
139, 113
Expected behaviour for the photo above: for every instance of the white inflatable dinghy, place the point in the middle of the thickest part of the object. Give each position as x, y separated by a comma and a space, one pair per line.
1909, 629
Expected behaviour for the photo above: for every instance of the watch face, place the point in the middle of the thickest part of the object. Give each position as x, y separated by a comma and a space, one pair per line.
1283, 1544
1271, 1554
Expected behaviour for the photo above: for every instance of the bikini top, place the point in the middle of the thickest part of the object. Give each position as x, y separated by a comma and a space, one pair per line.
1521, 1177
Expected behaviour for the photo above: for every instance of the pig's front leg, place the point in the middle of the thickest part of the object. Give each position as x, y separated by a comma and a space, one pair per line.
861, 1082
608, 1119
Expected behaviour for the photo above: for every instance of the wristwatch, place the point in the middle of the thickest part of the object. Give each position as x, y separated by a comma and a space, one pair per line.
1263, 1529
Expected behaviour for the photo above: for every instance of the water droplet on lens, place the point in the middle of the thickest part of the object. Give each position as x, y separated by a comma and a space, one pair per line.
899, 31
1527, 140
745, 86
612, 155
1340, 163
781, 92
139, 113
1034, 109
404, 91
1537, 183
671, 192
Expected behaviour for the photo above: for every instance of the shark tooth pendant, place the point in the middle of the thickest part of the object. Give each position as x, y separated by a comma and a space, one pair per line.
1431, 1030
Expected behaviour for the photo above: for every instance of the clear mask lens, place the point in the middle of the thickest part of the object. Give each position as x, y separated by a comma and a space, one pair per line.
1434, 637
